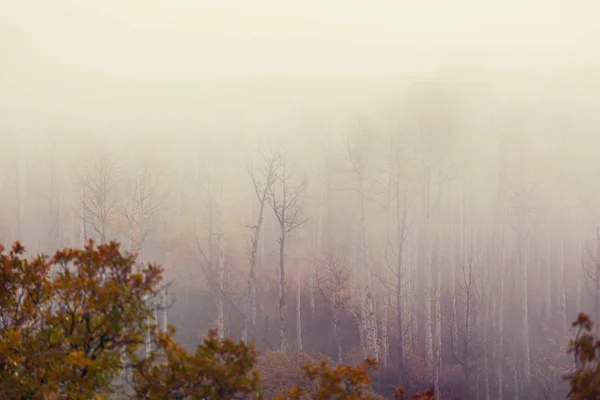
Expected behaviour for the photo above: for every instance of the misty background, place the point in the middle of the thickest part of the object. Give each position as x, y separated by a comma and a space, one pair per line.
480, 118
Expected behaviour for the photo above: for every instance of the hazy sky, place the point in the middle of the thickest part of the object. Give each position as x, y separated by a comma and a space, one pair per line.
186, 64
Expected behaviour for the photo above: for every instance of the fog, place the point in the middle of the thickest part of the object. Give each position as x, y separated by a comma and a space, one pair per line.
438, 154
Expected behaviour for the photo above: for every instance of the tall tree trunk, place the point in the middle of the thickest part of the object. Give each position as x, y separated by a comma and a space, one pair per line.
384, 333
18, 177
438, 331
400, 270
429, 323
580, 273
562, 302
486, 321
437, 308
221, 280
370, 321
250, 306
336, 327
414, 301
548, 280
165, 305
525, 312
515, 374
84, 218
298, 301
361, 331
408, 293
597, 282
216, 251
282, 298
501, 267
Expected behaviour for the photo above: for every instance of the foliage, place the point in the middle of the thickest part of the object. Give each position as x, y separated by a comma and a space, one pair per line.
220, 369
66, 321
585, 381
400, 394
341, 382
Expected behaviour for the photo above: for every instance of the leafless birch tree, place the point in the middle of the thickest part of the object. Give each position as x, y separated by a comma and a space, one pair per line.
285, 200
262, 182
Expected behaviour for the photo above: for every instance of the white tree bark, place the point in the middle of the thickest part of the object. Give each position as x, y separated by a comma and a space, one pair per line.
485, 334
336, 325
165, 305
525, 315
548, 279
261, 189
298, 301
562, 301
384, 333
429, 325
357, 157
221, 281
216, 251
501, 267
287, 208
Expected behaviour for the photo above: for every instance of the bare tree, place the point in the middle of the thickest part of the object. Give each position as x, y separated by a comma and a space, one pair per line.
298, 300
358, 151
213, 264
397, 211
145, 195
98, 196
333, 278
262, 182
53, 222
470, 296
286, 202
17, 181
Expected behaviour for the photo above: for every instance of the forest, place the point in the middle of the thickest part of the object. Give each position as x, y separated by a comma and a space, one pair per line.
380, 182
455, 260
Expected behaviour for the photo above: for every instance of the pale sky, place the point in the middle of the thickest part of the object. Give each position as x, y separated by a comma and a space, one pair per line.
120, 61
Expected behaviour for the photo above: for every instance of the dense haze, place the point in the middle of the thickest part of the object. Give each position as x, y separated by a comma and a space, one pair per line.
442, 161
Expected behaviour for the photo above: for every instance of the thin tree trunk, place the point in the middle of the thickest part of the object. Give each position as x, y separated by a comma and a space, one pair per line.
384, 333
400, 297
525, 313
515, 374
414, 322
250, 306
548, 281
408, 293
438, 311
429, 326
165, 304
282, 300
486, 319
298, 299
597, 282
501, 267
84, 231
562, 303
336, 327
370, 321
221, 295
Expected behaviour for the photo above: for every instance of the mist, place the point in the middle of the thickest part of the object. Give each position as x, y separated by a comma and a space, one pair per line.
439, 162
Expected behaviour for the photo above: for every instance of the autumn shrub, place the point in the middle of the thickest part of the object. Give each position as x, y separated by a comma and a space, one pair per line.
219, 369
341, 382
